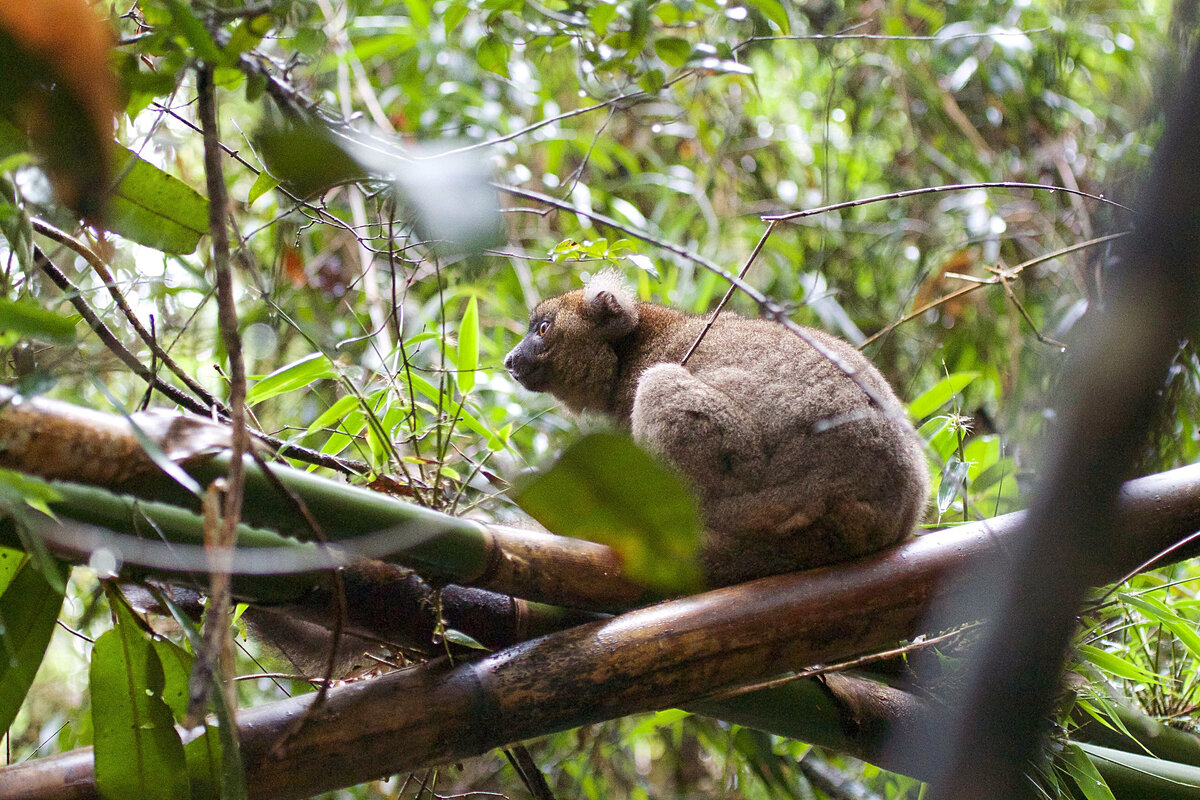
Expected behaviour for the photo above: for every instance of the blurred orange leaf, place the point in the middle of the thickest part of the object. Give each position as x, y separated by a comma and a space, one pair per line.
57, 86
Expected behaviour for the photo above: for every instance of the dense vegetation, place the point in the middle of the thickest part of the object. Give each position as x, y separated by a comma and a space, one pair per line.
406, 179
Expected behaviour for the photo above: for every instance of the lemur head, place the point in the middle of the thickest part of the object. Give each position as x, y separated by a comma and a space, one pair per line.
568, 350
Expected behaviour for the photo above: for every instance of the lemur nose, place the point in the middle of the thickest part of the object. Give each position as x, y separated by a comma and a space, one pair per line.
508, 359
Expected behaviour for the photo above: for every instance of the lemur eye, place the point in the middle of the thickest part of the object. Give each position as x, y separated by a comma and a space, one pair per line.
543, 327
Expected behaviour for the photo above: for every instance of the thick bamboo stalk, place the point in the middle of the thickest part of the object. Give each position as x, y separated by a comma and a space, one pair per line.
665, 655
60, 441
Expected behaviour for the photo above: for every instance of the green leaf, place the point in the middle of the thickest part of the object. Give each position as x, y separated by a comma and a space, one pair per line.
940, 394
28, 611
177, 670
203, 756
194, 32
262, 184
1115, 665
155, 209
773, 10
600, 15
138, 753
607, 489
291, 377
453, 16
247, 34
673, 50
333, 415
468, 347
26, 318
11, 562
463, 640
306, 157
1157, 612
492, 54
1084, 773
652, 81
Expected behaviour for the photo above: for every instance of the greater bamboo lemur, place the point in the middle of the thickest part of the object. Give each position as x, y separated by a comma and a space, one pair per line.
794, 464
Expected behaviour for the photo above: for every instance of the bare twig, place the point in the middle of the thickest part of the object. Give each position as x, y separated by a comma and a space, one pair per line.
981, 282
728, 293
954, 187
881, 37
228, 322
97, 264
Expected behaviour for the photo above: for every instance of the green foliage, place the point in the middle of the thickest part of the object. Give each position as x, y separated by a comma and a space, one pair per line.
29, 608
138, 753
379, 287
154, 208
607, 489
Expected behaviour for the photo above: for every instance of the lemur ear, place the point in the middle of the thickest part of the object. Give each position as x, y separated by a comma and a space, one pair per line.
610, 305
610, 316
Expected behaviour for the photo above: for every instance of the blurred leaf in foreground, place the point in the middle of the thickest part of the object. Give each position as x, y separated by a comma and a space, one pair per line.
606, 489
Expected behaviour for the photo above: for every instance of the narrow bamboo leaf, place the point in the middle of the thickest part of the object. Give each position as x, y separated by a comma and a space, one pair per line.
333, 415
468, 347
21, 318
940, 394
155, 209
607, 489
495, 439
28, 610
1118, 666
1084, 773
1183, 629
455, 636
138, 754
293, 376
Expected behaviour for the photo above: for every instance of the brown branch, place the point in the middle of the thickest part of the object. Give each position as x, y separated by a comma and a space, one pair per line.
219, 540
656, 657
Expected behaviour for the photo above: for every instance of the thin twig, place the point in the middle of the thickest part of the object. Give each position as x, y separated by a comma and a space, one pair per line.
881, 37
981, 282
97, 264
954, 187
228, 323
623, 98
841, 666
728, 293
